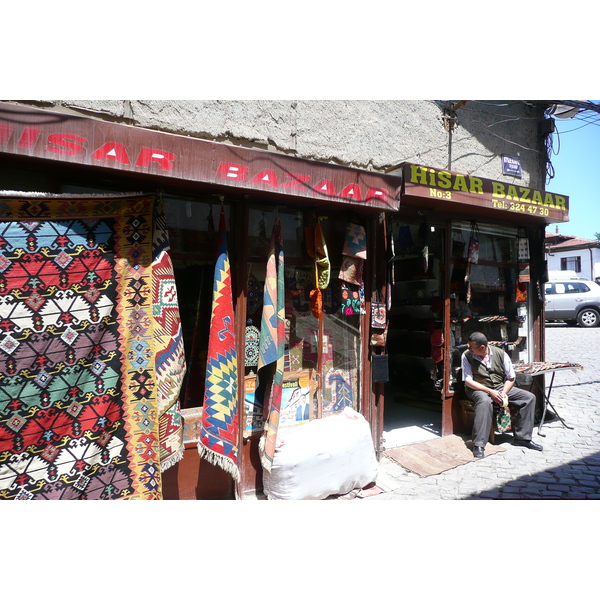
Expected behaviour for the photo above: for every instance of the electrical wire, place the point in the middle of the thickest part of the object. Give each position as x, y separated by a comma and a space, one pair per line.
586, 116
582, 126
549, 145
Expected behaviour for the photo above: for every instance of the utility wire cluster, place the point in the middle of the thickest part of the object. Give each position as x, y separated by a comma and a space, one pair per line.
588, 114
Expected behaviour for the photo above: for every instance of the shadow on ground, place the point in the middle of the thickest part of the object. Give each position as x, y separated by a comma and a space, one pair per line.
576, 480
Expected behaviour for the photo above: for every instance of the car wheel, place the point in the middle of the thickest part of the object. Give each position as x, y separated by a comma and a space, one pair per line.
588, 317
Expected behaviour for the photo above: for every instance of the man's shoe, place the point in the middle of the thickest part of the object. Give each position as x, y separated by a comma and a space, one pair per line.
528, 444
478, 452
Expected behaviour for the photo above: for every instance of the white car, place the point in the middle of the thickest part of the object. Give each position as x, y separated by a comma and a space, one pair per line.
573, 301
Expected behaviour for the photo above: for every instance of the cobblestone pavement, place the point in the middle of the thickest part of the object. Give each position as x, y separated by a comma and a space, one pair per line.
569, 466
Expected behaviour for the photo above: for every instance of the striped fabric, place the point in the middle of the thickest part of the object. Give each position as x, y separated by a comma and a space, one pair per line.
272, 341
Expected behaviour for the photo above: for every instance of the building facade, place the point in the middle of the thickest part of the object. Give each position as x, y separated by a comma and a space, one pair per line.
571, 253
403, 225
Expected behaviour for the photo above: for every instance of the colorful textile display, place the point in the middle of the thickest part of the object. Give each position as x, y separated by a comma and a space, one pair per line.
355, 242
351, 304
219, 434
91, 359
322, 265
272, 341
378, 315
351, 270
252, 345
192, 424
169, 349
354, 254
541, 367
316, 247
504, 417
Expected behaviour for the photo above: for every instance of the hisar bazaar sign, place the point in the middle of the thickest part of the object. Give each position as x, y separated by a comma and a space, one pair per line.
298, 181
454, 187
45, 134
86, 141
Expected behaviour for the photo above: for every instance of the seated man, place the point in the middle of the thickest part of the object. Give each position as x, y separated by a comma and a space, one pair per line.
489, 377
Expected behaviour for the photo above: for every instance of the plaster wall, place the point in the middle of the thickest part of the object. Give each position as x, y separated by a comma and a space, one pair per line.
375, 135
590, 261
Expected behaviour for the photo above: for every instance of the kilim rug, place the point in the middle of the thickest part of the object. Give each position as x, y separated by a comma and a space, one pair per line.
219, 433
436, 456
272, 342
91, 358
168, 345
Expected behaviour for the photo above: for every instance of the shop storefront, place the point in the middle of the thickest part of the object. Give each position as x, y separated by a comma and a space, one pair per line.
468, 256
328, 221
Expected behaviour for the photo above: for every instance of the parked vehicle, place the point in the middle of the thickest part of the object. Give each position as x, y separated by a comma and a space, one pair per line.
575, 301
562, 275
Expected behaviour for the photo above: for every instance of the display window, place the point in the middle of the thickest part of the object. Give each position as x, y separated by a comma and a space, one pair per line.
322, 352
192, 226
490, 285
322, 317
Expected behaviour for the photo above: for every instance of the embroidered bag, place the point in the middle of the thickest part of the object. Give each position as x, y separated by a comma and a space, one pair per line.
378, 315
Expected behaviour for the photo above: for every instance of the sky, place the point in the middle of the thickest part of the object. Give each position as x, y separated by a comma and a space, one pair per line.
577, 167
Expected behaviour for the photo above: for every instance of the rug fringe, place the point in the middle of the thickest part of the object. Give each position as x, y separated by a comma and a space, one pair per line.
219, 461
264, 461
172, 460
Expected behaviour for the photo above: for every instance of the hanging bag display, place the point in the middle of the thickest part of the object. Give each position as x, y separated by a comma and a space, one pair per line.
354, 254
350, 301
378, 315
379, 368
379, 338
522, 246
472, 256
379, 324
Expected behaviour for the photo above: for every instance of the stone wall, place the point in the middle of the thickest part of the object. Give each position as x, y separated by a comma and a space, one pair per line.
368, 134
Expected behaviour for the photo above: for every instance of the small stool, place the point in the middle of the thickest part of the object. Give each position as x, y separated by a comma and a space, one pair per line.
468, 412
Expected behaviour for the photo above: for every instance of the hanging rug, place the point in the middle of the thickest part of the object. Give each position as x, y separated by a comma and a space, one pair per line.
91, 356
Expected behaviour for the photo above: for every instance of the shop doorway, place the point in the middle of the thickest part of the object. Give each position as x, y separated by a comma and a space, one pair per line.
413, 396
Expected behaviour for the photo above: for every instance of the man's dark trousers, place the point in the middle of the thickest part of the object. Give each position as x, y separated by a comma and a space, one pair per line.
522, 426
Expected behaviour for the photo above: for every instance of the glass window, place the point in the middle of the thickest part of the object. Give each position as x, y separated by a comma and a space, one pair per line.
496, 243
192, 226
571, 263
322, 354
490, 286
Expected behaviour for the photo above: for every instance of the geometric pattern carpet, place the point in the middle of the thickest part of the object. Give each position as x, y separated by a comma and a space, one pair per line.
90, 352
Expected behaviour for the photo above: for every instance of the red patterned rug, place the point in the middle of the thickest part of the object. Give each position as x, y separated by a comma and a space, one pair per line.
91, 358
218, 441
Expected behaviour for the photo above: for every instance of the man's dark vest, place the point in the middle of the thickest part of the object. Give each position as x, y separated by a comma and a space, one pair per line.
493, 378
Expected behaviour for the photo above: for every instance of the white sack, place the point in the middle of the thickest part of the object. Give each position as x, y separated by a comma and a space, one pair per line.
333, 455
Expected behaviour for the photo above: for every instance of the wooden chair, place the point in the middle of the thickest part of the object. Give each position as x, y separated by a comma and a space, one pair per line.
468, 413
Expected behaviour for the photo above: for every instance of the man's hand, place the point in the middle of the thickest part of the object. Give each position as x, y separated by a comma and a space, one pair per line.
499, 397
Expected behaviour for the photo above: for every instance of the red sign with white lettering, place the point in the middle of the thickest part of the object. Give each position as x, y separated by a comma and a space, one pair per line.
49, 135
